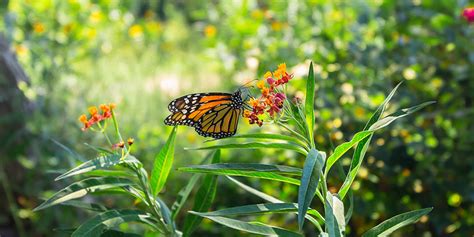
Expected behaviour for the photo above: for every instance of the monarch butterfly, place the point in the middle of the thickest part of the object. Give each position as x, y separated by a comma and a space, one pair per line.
212, 114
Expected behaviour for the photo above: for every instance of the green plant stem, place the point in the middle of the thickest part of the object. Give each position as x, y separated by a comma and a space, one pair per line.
293, 132
151, 203
102, 130
117, 131
11, 203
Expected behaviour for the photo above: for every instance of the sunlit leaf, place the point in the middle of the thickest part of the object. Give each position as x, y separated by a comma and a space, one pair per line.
309, 182
250, 227
270, 172
203, 200
334, 216
309, 102
343, 148
112, 218
255, 145
81, 188
387, 227
101, 162
269, 136
362, 146
162, 164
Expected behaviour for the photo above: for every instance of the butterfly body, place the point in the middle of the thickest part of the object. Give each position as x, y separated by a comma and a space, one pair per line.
212, 114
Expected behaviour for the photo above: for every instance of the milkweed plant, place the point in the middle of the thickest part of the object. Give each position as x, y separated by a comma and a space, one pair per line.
116, 169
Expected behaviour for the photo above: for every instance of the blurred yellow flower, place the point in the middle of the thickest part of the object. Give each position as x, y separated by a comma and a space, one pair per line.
67, 28
257, 14
359, 112
136, 31
210, 31
21, 50
38, 27
90, 33
277, 26
95, 16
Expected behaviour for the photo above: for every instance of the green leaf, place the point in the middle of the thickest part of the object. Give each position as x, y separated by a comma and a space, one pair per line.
249, 227
334, 216
400, 114
116, 233
81, 188
312, 169
183, 194
204, 198
387, 227
85, 206
263, 208
280, 169
255, 192
271, 199
309, 103
362, 146
255, 145
112, 218
343, 148
162, 164
270, 137
101, 162
270, 172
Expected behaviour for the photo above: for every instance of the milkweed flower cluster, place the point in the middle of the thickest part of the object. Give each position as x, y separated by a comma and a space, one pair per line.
271, 101
95, 116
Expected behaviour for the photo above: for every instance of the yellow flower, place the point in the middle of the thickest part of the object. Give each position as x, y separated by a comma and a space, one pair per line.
260, 84
92, 110
130, 141
267, 74
136, 31
21, 50
210, 31
282, 67
95, 16
38, 27
277, 26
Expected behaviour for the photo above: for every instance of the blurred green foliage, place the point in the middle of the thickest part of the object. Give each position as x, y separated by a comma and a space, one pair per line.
141, 54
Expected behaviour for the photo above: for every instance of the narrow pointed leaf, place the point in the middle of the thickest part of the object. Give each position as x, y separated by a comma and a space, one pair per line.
343, 148
387, 227
112, 218
247, 170
400, 114
101, 162
280, 169
250, 227
85, 206
334, 216
255, 192
309, 102
183, 194
269, 136
162, 164
204, 198
255, 145
309, 182
271, 199
362, 146
81, 188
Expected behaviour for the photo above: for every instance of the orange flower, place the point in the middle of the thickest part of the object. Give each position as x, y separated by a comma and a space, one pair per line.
96, 116
92, 110
83, 119
118, 145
